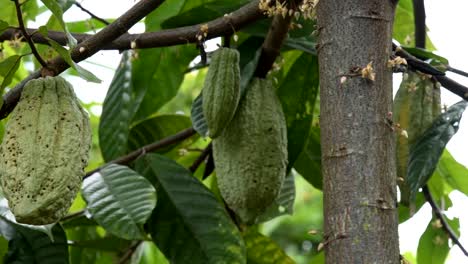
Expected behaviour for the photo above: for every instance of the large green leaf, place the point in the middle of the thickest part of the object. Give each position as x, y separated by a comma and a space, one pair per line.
433, 246
66, 56
195, 12
297, 93
57, 11
298, 38
3, 26
8, 11
30, 246
262, 250
284, 203
120, 200
197, 116
403, 26
188, 224
117, 112
155, 129
425, 153
308, 164
453, 173
8, 68
157, 74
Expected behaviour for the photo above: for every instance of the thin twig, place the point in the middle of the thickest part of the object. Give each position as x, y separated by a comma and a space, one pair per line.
128, 254
271, 47
72, 216
201, 158
91, 14
184, 134
424, 67
27, 36
440, 215
419, 12
457, 71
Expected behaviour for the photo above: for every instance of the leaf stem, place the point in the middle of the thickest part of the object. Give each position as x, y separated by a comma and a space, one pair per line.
184, 134
440, 215
27, 36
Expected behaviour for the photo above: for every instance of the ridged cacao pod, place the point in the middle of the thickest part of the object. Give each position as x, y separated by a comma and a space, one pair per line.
251, 154
417, 104
221, 90
44, 151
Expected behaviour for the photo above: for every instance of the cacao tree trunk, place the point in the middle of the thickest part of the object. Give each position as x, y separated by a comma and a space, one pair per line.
360, 200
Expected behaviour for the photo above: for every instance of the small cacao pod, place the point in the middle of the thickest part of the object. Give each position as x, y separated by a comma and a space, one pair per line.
44, 151
251, 154
221, 90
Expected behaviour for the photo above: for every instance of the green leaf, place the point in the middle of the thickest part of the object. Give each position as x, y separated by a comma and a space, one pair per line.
65, 54
248, 71
426, 55
8, 11
188, 224
155, 129
8, 68
57, 11
308, 164
298, 38
120, 200
197, 116
108, 243
297, 93
162, 13
30, 246
117, 112
262, 250
425, 153
284, 203
433, 246
403, 26
3, 26
195, 12
148, 253
157, 75
453, 173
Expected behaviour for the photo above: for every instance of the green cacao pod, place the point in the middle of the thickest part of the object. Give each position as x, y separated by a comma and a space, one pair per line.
221, 91
416, 104
44, 151
251, 153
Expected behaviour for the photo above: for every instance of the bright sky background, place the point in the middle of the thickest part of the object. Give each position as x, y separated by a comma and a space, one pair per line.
447, 21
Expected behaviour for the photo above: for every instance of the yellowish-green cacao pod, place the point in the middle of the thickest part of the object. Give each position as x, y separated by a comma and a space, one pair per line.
251, 153
44, 151
221, 91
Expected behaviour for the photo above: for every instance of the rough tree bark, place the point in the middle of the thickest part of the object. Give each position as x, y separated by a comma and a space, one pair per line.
360, 200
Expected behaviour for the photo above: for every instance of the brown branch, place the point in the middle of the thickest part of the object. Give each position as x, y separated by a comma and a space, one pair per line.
91, 14
169, 37
440, 215
424, 67
201, 158
184, 134
457, 71
272, 44
27, 36
419, 13
106, 39
85, 49
129, 252
72, 215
